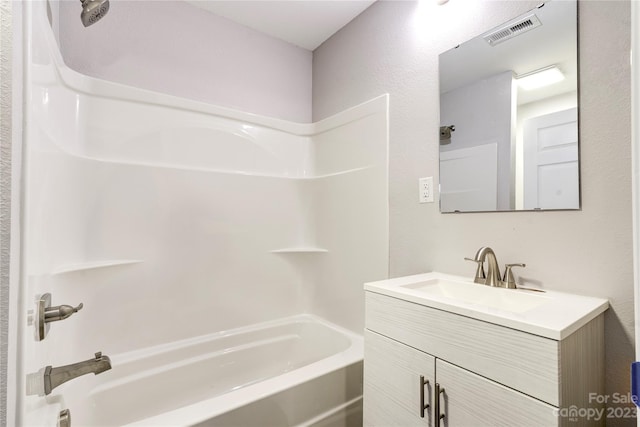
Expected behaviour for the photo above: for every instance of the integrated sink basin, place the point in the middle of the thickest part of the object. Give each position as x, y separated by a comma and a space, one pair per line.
550, 314
514, 301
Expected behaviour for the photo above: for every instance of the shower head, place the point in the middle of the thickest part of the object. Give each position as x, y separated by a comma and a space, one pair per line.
93, 11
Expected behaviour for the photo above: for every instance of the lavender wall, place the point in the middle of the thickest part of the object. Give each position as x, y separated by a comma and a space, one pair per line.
179, 49
393, 47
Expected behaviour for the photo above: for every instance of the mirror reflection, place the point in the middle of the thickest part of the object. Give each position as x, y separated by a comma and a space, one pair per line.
509, 116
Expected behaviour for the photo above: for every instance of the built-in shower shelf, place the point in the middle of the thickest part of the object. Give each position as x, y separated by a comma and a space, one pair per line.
299, 250
338, 173
92, 265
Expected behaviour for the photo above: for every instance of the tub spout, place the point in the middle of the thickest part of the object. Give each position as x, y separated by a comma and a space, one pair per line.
53, 377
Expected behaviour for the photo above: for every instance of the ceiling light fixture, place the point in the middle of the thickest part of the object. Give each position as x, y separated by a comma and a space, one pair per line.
540, 78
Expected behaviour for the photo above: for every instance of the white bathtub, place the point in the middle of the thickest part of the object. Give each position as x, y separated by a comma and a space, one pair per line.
299, 370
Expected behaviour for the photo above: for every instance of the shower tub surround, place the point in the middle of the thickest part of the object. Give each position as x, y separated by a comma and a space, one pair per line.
197, 238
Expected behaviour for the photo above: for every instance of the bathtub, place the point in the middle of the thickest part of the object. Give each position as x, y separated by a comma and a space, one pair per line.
296, 371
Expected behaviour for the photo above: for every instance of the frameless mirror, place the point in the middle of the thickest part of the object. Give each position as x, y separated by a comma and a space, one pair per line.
509, 116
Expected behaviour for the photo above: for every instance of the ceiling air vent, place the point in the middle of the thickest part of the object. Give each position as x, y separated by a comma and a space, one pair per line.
511, 30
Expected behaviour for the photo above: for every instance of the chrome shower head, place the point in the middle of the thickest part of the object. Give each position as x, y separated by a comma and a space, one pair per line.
93, 11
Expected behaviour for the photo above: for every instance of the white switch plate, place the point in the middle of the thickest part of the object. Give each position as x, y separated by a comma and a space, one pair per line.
425, 189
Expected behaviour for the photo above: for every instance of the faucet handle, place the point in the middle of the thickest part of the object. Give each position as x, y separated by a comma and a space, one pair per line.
45, 314
480, 278
508, 279
60, 312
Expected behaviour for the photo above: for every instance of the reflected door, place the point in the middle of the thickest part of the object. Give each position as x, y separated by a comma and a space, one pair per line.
469, 179
551, 170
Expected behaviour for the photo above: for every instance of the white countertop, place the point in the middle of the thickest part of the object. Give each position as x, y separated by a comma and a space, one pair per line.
550, 314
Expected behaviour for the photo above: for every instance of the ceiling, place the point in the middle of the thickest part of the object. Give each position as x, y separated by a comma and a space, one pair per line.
304, 23
553, 43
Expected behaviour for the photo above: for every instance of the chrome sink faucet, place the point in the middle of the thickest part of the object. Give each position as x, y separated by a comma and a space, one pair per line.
53, 377
493, 269
492, 276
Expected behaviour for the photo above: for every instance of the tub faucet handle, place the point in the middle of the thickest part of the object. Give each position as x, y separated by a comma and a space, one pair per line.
60, 312
46, 314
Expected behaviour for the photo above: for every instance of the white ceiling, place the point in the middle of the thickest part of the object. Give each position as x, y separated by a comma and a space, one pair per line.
553, 43
304, 23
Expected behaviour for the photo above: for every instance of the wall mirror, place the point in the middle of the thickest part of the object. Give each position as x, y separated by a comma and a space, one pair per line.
509, 116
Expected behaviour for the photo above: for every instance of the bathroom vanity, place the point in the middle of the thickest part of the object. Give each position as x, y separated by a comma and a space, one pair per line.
442, 350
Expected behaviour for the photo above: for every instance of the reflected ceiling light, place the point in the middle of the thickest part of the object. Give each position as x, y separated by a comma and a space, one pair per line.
540, 78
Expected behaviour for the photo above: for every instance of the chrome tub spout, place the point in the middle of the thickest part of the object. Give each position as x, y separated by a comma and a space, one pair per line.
53, 377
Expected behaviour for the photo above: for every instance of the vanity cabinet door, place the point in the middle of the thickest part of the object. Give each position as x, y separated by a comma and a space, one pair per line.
471, 400
392, 384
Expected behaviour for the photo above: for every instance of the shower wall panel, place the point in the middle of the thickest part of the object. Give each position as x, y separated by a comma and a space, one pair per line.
352, 214
137, 237
170, 218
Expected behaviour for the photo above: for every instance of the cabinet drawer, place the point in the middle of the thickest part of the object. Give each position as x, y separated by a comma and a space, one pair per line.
519, 360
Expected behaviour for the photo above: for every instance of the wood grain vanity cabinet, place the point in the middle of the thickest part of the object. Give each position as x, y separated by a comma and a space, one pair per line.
490, 374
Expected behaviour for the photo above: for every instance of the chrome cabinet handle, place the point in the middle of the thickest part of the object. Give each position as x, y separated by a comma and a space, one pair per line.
423, 406
436, 404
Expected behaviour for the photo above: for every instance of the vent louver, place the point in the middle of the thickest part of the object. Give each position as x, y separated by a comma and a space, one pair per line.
511, 30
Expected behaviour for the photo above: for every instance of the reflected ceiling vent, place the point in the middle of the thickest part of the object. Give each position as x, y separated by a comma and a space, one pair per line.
512, 30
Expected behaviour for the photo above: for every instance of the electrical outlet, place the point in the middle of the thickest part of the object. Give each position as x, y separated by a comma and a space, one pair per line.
425, 189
